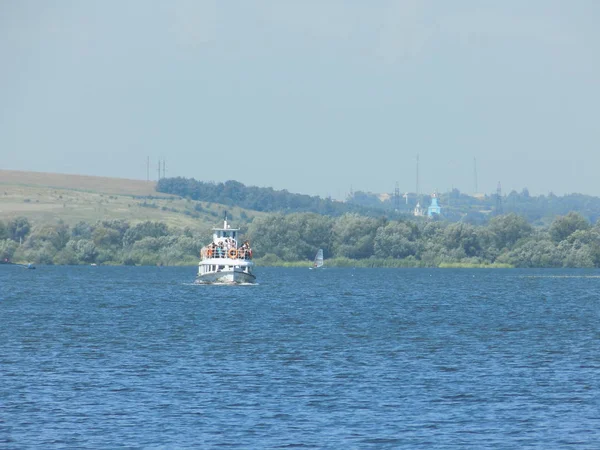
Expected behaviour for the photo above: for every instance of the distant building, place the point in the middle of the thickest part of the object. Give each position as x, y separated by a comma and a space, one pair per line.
418, 211
434, 208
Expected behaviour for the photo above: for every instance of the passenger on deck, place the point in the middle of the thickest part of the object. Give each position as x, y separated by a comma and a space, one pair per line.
244, 250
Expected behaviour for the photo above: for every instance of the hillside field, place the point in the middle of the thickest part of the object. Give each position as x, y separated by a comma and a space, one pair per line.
48, 198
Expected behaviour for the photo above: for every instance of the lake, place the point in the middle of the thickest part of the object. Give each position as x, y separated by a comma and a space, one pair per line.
140, 357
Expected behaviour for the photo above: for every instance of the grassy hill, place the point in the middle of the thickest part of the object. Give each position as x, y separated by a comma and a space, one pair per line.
49, 197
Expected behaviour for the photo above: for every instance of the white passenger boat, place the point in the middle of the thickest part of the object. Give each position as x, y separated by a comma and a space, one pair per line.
224, 260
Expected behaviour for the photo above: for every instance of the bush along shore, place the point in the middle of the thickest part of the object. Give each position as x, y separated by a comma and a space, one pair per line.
350, 240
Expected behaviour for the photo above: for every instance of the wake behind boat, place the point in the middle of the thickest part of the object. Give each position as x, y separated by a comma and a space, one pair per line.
224, 261
22, 265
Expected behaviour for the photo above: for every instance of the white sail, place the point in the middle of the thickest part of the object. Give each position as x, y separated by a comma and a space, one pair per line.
318, 262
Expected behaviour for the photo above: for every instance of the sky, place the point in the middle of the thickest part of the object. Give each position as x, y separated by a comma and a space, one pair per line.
315, 97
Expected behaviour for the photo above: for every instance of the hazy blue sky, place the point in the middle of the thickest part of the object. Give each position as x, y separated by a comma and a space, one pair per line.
315, 97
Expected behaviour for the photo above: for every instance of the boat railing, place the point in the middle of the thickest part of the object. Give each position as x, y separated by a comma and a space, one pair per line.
233, 253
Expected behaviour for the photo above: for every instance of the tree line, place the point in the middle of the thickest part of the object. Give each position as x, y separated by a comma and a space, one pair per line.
104, 242
234, 193
508, 239
456, 206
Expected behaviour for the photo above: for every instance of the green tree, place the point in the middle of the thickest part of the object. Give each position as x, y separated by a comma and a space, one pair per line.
108, 238
354, 236
118, 225
576, 254
508, 229
41, 235
143, 230
396, 240
563, 226
314, 232
43, 255
7, 249
533, 253
81, 230
188, 247
84, 249
275, 234
18, 228
62, 235
66, 256
462, 236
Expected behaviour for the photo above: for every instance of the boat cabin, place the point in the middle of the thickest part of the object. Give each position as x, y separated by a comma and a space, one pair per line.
225, 233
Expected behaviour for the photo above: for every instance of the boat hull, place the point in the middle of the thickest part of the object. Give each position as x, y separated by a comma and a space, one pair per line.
226, 277
228, 272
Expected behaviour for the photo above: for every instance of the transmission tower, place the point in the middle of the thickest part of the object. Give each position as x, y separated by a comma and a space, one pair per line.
499, 209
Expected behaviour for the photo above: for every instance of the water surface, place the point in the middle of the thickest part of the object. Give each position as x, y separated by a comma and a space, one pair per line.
140, 357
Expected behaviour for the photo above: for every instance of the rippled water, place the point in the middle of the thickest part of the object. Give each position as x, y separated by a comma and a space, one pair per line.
125, 357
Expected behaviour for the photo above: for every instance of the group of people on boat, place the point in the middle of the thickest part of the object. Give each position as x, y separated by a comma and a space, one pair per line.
227, 248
